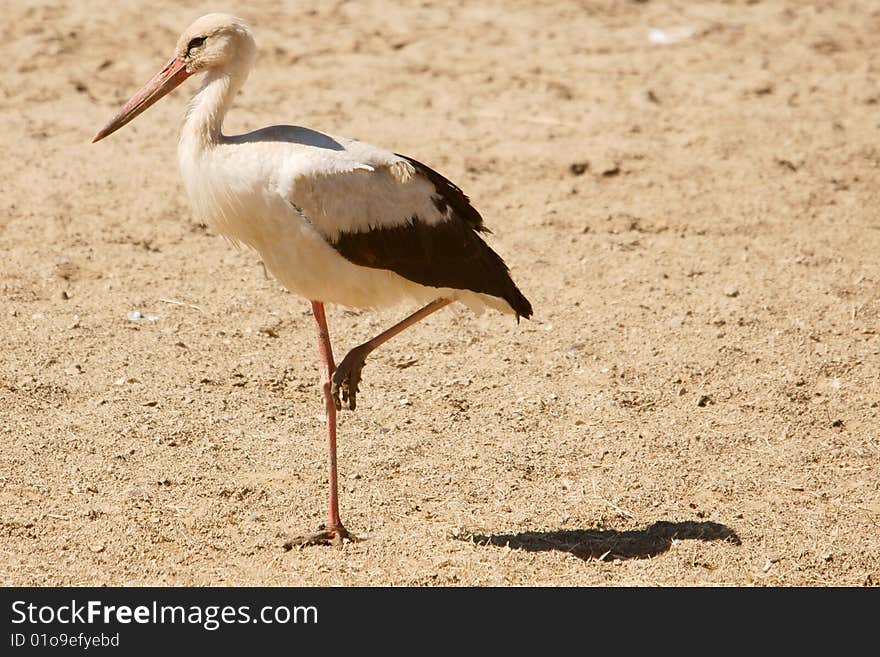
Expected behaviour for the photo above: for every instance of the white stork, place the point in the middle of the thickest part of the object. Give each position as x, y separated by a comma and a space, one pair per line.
334, 219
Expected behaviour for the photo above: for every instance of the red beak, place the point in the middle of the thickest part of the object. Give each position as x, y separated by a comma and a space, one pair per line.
171, 75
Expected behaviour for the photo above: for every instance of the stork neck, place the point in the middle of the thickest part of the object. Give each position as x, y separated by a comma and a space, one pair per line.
203, 125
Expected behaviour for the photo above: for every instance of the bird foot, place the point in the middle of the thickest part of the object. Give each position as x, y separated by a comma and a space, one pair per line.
335, 535
347, 377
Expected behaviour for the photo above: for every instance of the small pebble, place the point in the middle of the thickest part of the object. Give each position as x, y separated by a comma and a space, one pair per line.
137, 315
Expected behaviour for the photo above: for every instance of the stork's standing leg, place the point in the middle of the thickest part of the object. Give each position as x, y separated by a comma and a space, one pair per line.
348, 374
345, 379
333, 533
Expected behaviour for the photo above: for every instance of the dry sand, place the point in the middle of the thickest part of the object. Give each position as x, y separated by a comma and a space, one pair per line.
695, 222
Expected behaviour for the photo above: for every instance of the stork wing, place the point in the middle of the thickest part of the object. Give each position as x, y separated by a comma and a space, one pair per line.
394, 213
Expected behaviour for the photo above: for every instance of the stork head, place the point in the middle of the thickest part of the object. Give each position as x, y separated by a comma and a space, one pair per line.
215, 41
212, 42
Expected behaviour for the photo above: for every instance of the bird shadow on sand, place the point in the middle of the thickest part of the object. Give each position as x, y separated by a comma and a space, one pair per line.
610, 544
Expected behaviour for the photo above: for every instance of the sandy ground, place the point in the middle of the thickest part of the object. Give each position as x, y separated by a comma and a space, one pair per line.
692, 212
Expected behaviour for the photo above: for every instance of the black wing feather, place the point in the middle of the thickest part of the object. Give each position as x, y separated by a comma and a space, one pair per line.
450, 253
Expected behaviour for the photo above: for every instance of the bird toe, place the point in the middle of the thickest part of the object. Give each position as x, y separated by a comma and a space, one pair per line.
336, 536
345, 383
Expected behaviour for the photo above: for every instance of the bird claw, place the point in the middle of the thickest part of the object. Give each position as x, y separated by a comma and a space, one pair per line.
347, 387
336, 536
347, 377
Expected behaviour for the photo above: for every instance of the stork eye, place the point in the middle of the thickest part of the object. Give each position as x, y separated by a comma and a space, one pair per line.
195, 43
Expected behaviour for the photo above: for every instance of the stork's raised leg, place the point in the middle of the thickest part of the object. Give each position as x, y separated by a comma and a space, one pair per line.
348, 374
332, 533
